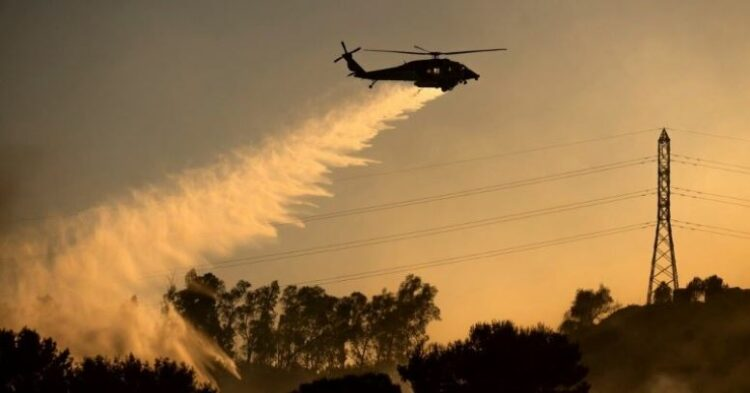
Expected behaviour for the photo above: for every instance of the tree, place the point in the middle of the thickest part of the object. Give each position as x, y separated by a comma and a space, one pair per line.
349, 326
713, 286
230, 309
366, 383
132, 375
499, 357
279, 337
199, 304
695, 290
415, 304
305, 327
257, 326
360, 328
588, 308
663, 294
29, 363
399, 321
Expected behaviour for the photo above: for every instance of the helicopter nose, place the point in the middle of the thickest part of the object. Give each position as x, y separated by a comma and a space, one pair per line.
469, 74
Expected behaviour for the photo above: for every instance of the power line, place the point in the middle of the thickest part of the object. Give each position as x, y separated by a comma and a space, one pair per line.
475, 256
714, 227
481, 190
252, 260
712, 232
715, 232
710, 199
688, 190
710, 134
698, 164
493, 156
714, 162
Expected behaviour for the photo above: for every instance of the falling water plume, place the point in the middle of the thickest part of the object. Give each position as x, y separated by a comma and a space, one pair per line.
80, 279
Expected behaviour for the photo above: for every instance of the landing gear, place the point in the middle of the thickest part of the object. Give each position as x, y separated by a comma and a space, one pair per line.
373, 84
449, 86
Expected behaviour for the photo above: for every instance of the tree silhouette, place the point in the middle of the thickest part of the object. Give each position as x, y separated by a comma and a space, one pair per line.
257, 323
499, 357
305, 327
399, 321
29, 363
695, 290
663, 294
588, 308
132, 375
367, 383
360, 329
200, 303
280, 337
713, 286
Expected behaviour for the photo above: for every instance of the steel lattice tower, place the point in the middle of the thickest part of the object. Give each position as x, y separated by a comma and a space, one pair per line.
663, 262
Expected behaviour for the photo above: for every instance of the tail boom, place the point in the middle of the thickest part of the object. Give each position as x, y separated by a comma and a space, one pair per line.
352, 64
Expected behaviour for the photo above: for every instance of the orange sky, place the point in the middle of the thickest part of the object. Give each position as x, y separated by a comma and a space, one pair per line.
100, 100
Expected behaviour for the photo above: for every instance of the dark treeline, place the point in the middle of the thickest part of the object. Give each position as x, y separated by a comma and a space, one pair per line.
282, 337
303, 340
363, 383
496, 357
499, 357
29, 363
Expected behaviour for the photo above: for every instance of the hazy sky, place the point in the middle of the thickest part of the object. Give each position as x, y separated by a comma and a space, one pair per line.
99, 98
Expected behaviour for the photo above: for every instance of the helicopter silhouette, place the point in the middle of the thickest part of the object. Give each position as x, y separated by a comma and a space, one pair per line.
437, 72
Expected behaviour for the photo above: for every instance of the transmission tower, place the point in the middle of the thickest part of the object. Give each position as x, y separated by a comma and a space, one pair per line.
663, 262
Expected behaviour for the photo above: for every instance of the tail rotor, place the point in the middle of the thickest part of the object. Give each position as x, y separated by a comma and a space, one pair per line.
347, 55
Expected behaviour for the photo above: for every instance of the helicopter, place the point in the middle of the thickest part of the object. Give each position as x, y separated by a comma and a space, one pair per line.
437, 72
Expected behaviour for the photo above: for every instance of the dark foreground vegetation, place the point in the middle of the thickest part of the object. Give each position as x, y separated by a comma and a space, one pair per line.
364, 383
29, 363
499, 357
302, 340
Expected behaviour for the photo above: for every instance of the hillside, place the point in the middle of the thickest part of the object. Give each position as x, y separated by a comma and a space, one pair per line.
683, 346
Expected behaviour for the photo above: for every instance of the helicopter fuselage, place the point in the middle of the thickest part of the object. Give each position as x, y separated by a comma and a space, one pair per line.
439, 73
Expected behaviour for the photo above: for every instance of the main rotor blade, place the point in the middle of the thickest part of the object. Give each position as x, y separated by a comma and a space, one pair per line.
422, 49
397, 51
343, 45
473, 51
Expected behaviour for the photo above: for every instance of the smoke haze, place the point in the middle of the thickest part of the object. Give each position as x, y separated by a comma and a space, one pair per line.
81, 280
